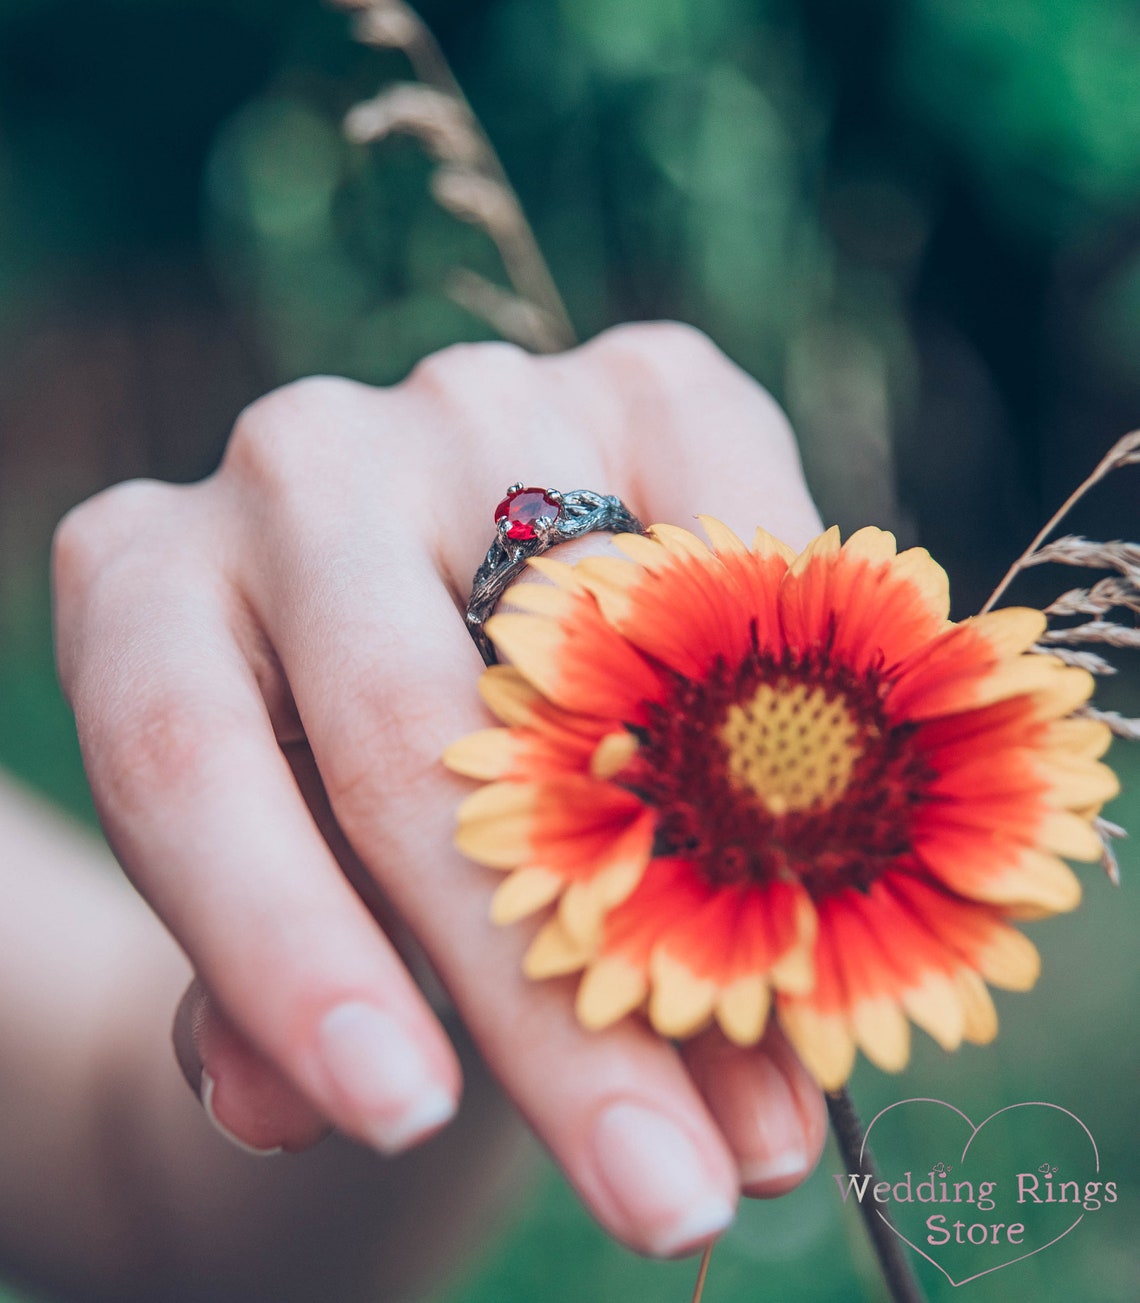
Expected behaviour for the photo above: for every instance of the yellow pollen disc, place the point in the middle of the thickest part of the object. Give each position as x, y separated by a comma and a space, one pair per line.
791, 746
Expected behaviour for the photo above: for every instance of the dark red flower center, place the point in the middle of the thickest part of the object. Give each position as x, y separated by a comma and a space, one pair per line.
782, 768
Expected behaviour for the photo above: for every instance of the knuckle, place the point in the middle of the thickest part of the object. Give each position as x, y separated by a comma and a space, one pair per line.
159, 745
679, 362
104, 526
289, 429
495, 361
665, 346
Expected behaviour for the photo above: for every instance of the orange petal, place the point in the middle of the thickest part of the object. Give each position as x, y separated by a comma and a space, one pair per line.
612, 754
871, 607
680, 1003
508, 695
873, 545
583, 666
610, 989
882, 1032
495, 824
682, 543
644, 549
980, 1023
724, 541
1009, 960
553, 953
643, 606
587, 901
824, 1042
560, 573
1075, 781
934, 1005
742, 1009
765, 545
1010, 631
1086, 737
998, 871
612, 583
918, 569
490, 753
542, 599
524, 892
1069, 835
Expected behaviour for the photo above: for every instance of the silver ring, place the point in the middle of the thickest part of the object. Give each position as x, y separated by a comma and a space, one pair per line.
530, 521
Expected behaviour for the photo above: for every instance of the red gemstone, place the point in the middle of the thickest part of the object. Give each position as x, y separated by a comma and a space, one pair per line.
522, 508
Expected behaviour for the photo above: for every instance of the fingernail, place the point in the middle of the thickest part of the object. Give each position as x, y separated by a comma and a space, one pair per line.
657, 1179
776, 1150
384, 1074
206, 1093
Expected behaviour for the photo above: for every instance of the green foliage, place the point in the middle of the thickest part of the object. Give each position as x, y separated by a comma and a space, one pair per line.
1041, 98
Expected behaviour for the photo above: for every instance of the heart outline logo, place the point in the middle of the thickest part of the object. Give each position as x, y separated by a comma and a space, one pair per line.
974, 1130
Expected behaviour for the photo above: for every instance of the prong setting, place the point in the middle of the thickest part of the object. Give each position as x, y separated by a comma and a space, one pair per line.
527, 528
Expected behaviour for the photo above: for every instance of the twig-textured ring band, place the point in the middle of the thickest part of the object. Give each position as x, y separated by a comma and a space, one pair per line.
530, 521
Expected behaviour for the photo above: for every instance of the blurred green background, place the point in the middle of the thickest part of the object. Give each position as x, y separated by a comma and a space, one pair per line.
916, 221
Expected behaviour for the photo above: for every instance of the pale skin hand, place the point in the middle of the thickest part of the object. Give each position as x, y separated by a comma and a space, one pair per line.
291, 627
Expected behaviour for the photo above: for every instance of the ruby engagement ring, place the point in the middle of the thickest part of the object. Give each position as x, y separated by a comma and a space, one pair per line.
530, 521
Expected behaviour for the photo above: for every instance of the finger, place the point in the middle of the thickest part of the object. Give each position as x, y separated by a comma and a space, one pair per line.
770, 1110
247, 1098
618, 1111
202, 809
720, 443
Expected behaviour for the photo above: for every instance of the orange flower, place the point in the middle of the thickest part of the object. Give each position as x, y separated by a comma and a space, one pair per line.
750, 781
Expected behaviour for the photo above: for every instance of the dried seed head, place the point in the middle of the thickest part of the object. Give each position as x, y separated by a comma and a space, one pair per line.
391, 25
1082, 660
1073, 550
1121, 725
440, 122
513, 317
1100, 631
1125, 452
473, 197
1103, 596
1108, 832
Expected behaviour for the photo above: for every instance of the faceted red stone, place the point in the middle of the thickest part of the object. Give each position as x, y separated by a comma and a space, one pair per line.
522, 509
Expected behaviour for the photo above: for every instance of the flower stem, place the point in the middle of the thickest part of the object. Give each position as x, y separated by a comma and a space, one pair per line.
902, 1284
702, 1273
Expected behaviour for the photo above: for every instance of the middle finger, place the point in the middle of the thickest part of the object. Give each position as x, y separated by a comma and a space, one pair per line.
383, 672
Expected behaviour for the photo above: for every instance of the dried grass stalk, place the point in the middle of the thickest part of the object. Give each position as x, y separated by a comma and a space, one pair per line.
1108, 832
391, 26
1122, 725
1125, 452
1083, 660
1103, 631
438, 122
515, 319
1102, 597
1118, 591
1074, 550
470, 184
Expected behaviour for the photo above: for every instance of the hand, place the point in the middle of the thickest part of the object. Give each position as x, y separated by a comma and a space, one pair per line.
265, 668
